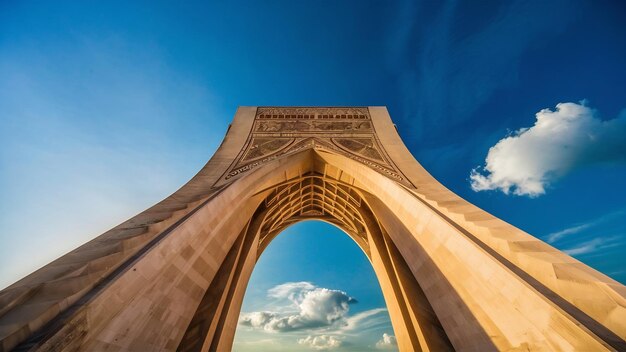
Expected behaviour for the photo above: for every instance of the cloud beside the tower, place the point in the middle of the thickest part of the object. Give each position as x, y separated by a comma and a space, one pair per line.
569, 137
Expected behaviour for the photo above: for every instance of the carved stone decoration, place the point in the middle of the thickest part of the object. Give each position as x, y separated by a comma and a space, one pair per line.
365, 147
242, 167
270, 126
264, 146
308, 113
282, 126
348, 131
343, 126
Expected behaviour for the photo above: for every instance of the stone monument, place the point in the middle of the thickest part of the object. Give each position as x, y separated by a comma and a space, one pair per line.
453, 276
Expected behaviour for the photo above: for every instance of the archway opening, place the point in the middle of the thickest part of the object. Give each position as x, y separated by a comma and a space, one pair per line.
313, 288
308, 187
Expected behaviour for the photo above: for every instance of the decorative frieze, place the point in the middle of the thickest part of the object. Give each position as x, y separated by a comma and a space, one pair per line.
278, 131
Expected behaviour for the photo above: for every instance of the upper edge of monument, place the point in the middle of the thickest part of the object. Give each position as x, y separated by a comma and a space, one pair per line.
312, 106
312, 112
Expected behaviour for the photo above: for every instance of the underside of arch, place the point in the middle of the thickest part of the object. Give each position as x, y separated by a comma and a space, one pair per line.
313, 196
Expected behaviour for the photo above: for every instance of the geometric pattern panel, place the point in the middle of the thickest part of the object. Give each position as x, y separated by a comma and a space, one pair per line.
279, 131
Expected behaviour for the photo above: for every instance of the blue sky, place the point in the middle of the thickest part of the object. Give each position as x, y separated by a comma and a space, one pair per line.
107, 107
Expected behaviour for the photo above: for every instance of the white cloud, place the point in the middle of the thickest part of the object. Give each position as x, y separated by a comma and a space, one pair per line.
257, 319
525, 162
366, 320
321, 342
555, 236
291, 290
325, 305
314, 307
387, 342
594, 245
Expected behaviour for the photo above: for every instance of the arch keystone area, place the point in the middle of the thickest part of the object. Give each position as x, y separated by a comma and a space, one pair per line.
453, 276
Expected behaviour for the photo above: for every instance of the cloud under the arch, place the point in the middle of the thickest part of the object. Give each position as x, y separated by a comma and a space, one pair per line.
312, 307
321, 342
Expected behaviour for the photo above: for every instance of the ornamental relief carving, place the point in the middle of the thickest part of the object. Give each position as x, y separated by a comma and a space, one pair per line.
312, 126
312, 113
242, 167
260, 147
365, 147
281, 131
307, 143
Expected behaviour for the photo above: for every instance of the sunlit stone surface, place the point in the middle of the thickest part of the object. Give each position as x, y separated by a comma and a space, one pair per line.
453, 276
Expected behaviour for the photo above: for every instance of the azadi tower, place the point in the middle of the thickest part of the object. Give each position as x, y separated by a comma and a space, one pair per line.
453, 276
